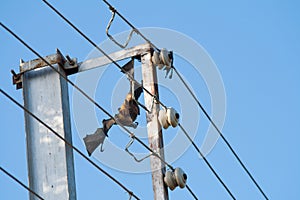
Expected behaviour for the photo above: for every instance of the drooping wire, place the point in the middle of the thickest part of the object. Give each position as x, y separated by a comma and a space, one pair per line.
87, 96
20, 183
68, 143
198, 102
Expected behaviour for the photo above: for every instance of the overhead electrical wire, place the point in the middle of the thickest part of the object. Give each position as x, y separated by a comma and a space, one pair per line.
102, 51
197, 101
206, 161
114, 62
20, 183
130, 77
130, 24
69, 144
221, 134
133, 136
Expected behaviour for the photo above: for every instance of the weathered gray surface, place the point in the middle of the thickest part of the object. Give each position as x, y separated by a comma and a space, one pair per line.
154, 129
50, 161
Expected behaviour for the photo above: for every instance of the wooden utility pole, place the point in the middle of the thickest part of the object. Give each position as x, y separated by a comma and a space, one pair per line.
50, 160
154, 128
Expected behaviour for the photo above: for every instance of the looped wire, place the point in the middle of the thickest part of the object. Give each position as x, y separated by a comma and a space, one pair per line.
123, 46
131, 154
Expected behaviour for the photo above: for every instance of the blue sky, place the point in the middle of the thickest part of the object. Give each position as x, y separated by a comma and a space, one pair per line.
255, 45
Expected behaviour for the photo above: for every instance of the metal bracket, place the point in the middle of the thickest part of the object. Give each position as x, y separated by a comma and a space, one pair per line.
132, 155
69, 65
17, 79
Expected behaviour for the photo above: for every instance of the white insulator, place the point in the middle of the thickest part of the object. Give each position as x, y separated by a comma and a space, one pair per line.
172, 117
176, 178
156, 60
163, 119
180, 177
170, 181
168, 117
164, 57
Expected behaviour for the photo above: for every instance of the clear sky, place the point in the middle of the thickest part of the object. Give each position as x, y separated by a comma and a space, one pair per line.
255, 45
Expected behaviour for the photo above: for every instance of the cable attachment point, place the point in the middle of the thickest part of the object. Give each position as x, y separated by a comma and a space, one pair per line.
112, 9
131, 154
163, 59
130, 195
123, 46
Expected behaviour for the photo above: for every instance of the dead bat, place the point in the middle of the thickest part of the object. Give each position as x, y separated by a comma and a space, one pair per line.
126, 116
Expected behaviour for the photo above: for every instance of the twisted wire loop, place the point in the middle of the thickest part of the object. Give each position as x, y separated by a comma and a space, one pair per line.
123, 46
132, 155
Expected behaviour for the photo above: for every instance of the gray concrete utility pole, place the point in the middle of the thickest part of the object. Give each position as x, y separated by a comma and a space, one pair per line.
50, 160
155, 136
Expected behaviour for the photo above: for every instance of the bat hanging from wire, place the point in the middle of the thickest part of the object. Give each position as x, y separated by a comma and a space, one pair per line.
127, 113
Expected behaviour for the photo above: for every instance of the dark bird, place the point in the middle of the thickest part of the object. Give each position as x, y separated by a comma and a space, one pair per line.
126, 116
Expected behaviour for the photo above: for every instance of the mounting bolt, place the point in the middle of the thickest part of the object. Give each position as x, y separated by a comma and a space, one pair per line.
71, 62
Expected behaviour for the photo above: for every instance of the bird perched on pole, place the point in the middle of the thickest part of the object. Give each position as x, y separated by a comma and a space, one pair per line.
126, 116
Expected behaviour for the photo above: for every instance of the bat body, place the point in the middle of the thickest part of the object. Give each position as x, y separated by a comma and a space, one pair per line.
126, 116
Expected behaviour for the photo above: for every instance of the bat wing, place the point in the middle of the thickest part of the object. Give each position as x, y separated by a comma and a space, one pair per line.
94, 140
107, 124
137, 92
